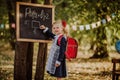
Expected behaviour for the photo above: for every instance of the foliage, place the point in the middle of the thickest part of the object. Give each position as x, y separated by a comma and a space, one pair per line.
3, 12
82, 12
78, 12
5, 30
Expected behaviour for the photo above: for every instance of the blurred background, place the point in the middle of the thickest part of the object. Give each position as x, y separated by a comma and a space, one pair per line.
95, 24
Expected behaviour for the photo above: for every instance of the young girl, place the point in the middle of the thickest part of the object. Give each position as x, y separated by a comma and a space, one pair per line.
56, 64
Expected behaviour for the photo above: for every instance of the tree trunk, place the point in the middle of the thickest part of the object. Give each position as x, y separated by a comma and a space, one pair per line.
23, 60
42, 54
101, 49
41, 60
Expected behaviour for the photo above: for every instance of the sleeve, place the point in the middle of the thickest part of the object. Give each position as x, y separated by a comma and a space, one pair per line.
48, 32
62, 49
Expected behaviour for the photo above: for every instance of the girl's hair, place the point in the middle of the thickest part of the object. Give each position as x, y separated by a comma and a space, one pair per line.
62, 24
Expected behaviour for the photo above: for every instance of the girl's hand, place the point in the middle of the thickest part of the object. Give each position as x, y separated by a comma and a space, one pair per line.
57, 65
42, 27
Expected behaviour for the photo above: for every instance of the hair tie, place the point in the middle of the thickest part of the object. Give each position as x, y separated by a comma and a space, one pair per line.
64, 23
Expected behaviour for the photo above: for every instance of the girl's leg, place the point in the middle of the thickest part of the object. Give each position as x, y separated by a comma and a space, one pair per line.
59, 78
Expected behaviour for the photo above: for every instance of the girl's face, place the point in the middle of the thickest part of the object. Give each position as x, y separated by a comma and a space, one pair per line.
57, 29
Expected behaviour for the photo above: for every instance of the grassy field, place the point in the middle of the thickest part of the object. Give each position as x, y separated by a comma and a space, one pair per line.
81, 68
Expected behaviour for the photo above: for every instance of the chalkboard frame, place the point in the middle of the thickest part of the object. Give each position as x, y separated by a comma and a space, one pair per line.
18, 21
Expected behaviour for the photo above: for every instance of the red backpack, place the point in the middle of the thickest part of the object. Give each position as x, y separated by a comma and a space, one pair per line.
71, 47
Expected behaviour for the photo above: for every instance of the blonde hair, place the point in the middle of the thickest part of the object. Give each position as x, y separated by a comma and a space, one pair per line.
59, 23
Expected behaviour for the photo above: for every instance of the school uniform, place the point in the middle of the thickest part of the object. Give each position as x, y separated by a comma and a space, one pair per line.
56, 55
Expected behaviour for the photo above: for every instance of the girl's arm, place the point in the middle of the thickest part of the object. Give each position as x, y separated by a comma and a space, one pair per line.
47, 31
62, 49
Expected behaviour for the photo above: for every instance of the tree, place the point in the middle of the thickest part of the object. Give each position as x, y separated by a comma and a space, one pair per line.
79, 13
88, 11
23, 59
105, 8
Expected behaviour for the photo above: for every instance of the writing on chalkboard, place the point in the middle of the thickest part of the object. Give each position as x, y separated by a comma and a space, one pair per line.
35, 25
33, 14
29, 18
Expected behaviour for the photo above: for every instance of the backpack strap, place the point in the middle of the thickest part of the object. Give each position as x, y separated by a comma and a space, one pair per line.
59, 39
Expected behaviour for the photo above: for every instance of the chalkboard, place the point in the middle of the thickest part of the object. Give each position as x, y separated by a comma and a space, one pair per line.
29, 17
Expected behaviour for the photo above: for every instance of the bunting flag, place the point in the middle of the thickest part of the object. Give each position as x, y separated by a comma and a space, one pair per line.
103, 21
6, 26
81, 27
2, 26
98, 23
93, 25
108, 18
74, 28
13, 25
87, 27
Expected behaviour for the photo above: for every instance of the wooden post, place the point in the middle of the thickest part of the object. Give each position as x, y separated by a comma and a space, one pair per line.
41, 58
23, 61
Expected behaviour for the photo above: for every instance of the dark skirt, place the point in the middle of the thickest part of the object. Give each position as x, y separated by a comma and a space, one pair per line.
61, 70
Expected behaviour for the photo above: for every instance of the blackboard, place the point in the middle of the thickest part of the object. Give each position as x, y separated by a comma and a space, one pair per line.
29, 17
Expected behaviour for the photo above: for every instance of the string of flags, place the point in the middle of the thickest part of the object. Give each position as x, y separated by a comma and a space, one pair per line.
6, 26
74, 27
94, 24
